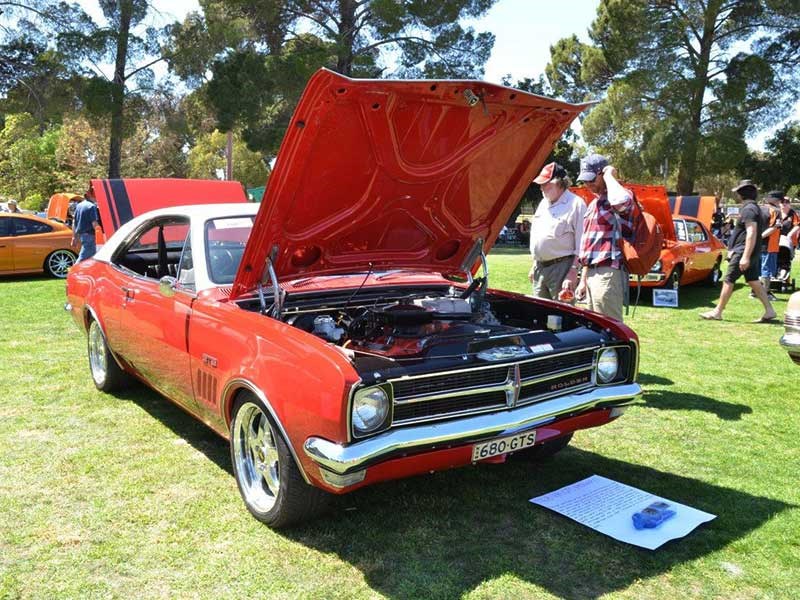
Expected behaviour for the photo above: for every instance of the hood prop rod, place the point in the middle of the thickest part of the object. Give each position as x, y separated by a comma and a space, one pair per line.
277, 300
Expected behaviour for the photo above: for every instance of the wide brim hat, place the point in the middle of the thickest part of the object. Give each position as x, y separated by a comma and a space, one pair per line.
744, 183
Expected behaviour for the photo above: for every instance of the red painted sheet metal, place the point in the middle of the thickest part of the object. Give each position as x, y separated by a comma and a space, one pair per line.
397, 174
119, 200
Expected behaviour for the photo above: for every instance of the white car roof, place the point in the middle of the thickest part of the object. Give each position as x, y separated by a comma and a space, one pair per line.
195, 212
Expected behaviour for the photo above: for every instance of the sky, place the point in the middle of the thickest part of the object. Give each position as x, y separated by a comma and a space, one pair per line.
524, 31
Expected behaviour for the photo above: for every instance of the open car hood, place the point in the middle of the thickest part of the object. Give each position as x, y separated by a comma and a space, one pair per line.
119, 200
653, 199
397, 174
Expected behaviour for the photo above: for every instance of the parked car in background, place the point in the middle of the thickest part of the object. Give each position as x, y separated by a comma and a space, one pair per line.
690, 253
344, 331
791, 324
31, 244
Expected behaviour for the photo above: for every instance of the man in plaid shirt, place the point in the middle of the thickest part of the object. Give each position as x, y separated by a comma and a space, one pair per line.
604, 281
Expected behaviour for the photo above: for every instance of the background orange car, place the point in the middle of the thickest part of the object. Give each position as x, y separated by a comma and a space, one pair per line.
30, 244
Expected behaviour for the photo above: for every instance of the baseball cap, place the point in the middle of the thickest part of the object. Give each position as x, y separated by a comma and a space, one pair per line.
775, 195
592, 166
549, 172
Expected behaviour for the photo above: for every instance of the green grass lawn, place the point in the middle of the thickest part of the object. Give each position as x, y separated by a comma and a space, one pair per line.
129, 497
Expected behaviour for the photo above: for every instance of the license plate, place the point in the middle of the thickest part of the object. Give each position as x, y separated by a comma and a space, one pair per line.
510, 443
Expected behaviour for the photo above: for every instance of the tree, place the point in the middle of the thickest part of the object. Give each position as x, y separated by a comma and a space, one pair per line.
778, 167
35, 75
207, 160
27, 160
678, 82
119, 41
54, 41
267, 50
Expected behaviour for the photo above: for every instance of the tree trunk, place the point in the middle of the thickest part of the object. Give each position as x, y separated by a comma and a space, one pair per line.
347, 31
687, 171
118, 90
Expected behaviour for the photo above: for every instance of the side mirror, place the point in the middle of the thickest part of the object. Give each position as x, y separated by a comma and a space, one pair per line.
166, 285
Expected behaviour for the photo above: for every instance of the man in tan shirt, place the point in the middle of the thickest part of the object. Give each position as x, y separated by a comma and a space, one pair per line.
555, 234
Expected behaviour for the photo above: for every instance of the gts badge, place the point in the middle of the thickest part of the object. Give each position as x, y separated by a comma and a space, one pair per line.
504, 353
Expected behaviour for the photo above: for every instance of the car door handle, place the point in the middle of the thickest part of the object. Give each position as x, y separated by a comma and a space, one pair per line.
129, 293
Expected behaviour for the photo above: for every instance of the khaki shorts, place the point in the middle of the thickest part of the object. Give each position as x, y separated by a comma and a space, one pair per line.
605, 291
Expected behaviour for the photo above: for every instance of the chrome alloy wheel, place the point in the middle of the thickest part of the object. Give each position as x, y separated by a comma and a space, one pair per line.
256, 457
98, 354
59, 263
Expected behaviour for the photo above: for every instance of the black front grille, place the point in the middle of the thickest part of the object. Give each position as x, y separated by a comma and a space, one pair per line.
449, 382
556, 363
446, 406
556, 385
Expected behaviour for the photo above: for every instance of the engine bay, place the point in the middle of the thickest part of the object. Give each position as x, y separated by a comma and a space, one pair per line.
410, 325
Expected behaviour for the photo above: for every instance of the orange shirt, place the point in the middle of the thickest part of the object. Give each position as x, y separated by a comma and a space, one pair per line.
773, 241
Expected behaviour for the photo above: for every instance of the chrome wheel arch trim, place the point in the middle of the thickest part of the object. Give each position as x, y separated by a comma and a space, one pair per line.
228, 393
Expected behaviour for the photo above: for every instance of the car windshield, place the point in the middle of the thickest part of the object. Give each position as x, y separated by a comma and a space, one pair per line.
225, 239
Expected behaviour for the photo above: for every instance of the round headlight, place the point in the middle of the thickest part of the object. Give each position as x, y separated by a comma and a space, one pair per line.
607, 365
370, 407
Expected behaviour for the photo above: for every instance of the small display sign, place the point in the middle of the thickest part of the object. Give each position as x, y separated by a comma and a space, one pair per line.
665, 298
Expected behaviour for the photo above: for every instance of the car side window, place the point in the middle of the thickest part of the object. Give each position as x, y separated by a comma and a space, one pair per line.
155, 249
30, 227
5, 227
680, 230
695, 232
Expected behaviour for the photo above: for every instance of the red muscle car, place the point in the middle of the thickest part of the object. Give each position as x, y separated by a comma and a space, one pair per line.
343, 332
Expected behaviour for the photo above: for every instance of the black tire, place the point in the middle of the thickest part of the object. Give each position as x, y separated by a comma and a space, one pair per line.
546, 449
58, 263
282, 503
106, 373
715, 276
673, 282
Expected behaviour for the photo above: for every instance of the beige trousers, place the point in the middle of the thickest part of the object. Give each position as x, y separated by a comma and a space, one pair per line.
606, 291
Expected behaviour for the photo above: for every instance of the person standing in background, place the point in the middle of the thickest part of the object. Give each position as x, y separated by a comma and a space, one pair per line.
555, 236
86, 220
604, 280
744, 252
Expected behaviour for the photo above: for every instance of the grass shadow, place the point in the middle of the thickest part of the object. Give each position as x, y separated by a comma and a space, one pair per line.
647, 379
182, 424
665, 400
442, 536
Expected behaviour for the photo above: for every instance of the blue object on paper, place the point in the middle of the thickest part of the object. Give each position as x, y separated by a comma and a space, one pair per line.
652, 516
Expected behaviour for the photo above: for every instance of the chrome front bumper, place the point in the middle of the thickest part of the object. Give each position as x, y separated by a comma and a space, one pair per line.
791, 343
341, 459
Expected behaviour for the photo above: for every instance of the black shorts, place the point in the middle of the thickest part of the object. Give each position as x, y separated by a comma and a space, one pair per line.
752, 273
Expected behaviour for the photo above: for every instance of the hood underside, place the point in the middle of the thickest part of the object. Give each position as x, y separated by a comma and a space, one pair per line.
398, 174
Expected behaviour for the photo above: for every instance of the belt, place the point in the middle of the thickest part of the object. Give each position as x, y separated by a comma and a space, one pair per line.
547, 263
603, 263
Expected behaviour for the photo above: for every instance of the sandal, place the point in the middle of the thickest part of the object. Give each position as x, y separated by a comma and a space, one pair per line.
710, 316
766, 319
